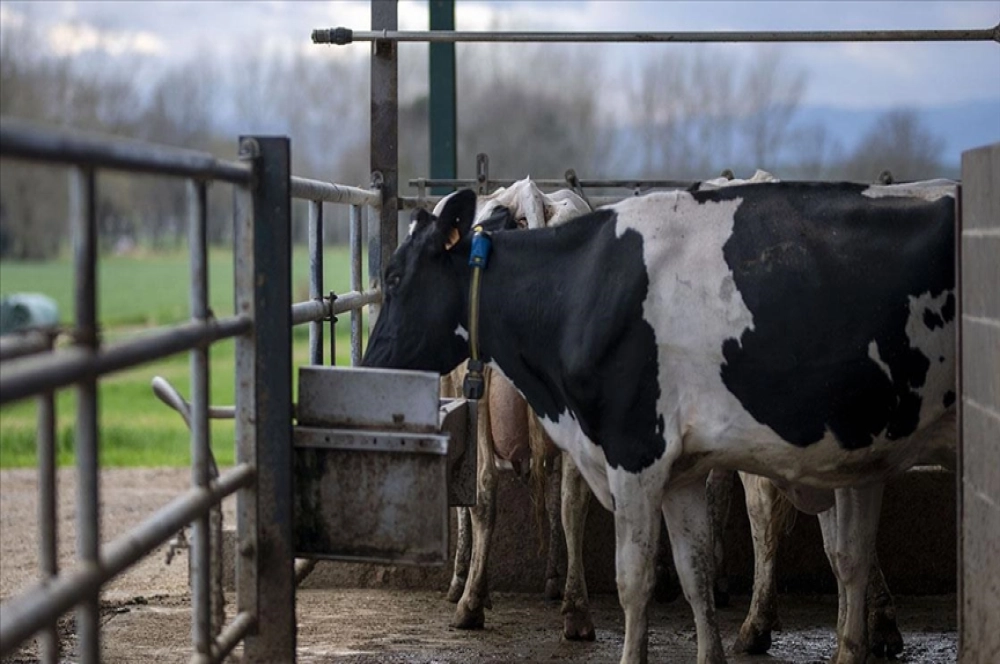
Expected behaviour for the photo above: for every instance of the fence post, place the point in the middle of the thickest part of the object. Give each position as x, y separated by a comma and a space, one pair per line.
265, 560
384, 143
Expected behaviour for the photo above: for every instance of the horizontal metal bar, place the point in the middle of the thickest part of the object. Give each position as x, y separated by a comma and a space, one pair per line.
428, 202
355, 300
342, 36
227, 640
328, 192
44, 602
313, 310
370, 441
309, 311
25, 140
35, 375
560, 184
34, 342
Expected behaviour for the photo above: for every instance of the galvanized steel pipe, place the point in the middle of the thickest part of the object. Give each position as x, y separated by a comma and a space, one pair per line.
316, 190
342, 36
228, 639
201, 553
34, 375
316, 279
355, 244
25, 140
43, 603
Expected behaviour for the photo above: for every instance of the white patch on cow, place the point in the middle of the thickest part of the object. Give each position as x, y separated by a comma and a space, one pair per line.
462, 332
935, 345
759, 177
413, 227
929, 190
877, 359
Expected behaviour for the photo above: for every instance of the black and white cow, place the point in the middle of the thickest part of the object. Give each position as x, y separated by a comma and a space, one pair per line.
802, 332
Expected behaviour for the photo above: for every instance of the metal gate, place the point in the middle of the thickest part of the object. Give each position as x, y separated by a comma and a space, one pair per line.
264, 314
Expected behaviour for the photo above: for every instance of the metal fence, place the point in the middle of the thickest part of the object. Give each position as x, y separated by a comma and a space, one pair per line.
264, 314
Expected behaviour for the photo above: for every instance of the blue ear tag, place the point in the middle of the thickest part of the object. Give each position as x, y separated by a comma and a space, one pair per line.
481, 245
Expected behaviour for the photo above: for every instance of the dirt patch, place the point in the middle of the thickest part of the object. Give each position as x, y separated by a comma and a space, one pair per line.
146, 612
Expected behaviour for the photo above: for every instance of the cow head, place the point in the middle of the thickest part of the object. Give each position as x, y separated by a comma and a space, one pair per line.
422, 322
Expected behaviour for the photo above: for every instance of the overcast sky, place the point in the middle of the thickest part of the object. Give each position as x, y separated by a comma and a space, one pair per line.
845, 75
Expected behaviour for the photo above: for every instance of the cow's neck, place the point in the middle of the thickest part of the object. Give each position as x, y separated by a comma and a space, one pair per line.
523, 311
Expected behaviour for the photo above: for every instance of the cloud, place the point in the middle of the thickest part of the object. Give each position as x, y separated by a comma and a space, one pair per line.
10, 18
78, 38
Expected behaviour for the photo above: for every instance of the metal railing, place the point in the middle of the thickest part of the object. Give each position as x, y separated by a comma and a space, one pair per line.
342, 36
261, 326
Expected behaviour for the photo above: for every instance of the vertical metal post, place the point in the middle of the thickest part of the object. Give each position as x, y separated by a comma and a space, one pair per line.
201, 559
47, 514
316, 278
384, 142
442, 97
355, 242
88, 536
274, 638
245, 563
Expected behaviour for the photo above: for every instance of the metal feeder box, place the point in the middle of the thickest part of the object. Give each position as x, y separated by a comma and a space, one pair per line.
378, 460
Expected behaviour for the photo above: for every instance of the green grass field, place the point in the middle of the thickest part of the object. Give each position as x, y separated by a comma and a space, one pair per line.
134, 294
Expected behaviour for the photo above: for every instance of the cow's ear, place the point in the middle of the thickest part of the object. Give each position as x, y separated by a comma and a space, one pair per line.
455, 219
419, 219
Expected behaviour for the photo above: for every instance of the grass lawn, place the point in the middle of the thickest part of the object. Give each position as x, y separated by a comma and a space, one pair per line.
136, 293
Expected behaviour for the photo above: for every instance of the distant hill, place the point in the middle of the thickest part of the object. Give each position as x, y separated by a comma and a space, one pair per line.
960, 126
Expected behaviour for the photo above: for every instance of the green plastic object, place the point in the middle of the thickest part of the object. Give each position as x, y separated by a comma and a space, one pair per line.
25, 311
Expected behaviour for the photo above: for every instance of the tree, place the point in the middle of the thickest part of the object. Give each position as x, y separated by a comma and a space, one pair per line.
899, 142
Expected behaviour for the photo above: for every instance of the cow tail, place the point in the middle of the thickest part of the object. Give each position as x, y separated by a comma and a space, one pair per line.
782, 519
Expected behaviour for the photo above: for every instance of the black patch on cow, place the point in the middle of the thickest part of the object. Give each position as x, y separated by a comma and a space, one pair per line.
949, 398
948, 310
932, 320
574, 340
825, 271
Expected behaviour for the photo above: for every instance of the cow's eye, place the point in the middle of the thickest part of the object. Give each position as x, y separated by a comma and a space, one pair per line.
522, 222
392, 281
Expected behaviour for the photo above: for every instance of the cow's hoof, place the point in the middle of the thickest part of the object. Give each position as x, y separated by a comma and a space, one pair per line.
886, 641
577, 626
752, 640
553, 588
455, 590
466, 618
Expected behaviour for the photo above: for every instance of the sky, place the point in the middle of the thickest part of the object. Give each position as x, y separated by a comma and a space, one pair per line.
858, 75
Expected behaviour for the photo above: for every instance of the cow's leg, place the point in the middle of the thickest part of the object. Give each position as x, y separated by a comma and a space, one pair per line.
556, 562
637, 531
720, 495
463, 553
577, 622
755, 633
883, 633
849, 529
470, 612
685, 510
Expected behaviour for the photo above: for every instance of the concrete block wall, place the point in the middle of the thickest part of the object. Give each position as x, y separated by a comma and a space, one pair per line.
979, 490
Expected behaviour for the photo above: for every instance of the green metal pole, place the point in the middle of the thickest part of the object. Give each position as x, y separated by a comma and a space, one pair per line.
443, 115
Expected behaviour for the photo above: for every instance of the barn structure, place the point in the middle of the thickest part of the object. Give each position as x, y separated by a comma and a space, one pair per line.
272, 554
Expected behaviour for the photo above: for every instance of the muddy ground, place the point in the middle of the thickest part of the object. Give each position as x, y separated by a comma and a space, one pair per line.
147, 610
